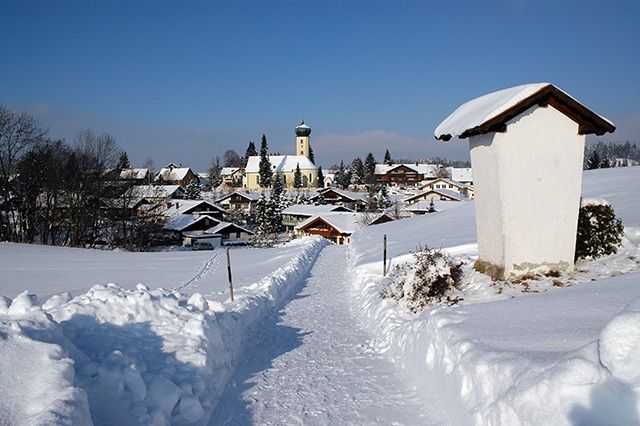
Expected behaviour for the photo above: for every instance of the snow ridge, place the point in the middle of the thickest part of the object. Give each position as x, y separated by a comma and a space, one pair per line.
139, 356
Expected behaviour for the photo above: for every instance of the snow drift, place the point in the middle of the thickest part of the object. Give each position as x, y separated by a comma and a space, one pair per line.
137, 356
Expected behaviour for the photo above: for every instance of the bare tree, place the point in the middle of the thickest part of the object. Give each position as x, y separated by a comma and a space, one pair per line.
18, 132
231, 159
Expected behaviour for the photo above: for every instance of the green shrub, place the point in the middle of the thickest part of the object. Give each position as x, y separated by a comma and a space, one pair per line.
430, 279
599, 231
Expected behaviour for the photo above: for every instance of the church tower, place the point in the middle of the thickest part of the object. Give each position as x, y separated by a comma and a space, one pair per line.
302, 139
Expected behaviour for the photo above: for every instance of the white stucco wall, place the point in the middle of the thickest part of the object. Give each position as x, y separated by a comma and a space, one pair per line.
527, 183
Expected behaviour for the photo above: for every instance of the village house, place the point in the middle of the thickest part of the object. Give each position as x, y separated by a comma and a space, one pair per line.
449, 185
176, 175
336, 227
245, 201
286, 165
434, 194
527, 147
298, 213
462, 175
352, 200
405, 175
232, 176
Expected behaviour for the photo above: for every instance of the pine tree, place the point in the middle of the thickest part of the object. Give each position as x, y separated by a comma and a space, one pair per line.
320, 178
265, 172
192, 191
250, 152
369, 169
263, 216
387, 158
277, 203
594, 161
123, 161
297, 177
357, 171
384, 202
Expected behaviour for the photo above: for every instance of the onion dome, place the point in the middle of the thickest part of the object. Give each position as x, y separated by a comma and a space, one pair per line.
303, 130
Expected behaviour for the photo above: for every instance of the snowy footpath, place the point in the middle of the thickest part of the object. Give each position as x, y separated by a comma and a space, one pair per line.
311, 363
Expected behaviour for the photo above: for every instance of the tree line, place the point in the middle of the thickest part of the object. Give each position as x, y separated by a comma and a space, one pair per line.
60, 194
604, 155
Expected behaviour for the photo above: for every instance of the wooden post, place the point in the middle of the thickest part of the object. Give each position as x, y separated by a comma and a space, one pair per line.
384, 257
229, 274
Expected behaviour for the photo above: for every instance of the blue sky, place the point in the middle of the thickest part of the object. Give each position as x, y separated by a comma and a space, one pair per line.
183, 81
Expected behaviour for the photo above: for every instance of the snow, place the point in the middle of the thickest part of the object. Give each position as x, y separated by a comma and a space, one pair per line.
428, 170
310, 209
281, 163
344, 222
139, 173
181, 221
172, 174
155, 191
459, 174
508, 355
309, 340
479, 110
310, 364
138, 356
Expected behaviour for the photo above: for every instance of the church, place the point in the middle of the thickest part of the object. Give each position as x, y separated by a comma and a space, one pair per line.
285, 165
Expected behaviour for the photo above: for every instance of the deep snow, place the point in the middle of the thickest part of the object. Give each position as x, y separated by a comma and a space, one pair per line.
293, 343
508, 355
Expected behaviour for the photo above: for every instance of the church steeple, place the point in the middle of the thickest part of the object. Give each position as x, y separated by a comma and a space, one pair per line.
302, 139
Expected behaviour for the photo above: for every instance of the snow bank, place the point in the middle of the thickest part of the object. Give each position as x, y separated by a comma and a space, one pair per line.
149, 356
37, 376
563, 357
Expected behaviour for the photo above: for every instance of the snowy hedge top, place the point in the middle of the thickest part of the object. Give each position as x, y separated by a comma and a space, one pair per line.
482, 110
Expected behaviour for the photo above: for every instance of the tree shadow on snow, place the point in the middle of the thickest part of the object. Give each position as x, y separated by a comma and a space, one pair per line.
270, 340
611, 403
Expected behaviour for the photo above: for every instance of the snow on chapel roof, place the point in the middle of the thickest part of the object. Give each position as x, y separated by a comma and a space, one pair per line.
490, 113
281, 163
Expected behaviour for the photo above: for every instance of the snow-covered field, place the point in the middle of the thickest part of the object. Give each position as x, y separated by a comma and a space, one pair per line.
115, 355
119, 349
47, 270
563, 356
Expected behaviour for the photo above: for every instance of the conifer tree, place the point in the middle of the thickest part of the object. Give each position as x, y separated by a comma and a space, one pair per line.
384, 202
357, 171
387, 158
320, 178
250, 152
123, 161
263, 216
369, 169
265, 172
192, 191
297, 177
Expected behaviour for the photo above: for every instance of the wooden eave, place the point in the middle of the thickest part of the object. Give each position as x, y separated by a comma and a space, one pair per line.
588, 121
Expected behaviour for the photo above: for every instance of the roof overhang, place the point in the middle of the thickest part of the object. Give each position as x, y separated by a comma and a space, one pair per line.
588, 121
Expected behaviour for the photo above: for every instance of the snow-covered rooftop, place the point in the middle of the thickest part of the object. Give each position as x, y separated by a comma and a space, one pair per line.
155, 191
423, 168
346, 223
461, 174
281, 163
310, 209
140, 173
224, 225
228, 171
181, 221
479, 111
355, 196
173, 174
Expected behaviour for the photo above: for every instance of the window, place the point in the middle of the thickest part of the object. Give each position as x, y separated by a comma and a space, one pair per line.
238, 234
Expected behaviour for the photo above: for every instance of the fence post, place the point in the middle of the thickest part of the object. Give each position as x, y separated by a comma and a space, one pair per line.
229, 274
384, 257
